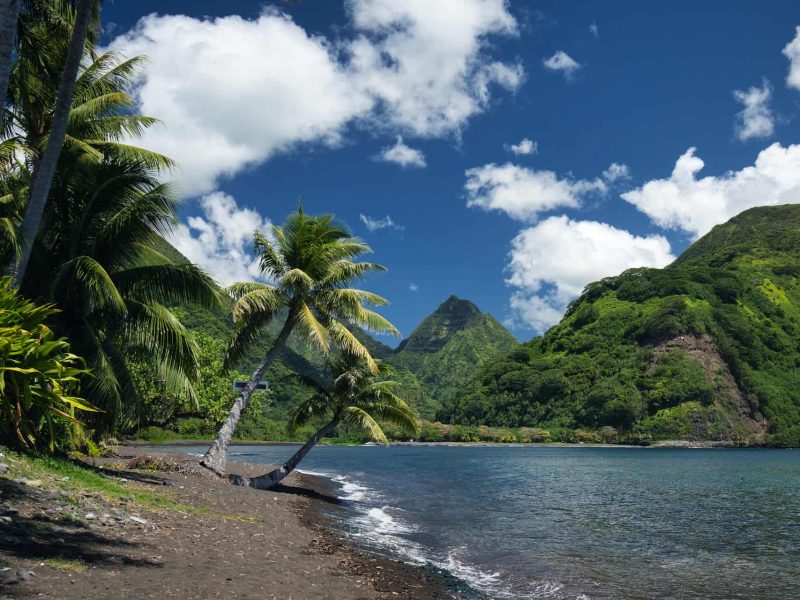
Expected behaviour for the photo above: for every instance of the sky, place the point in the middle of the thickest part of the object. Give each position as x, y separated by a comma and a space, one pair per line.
506, 152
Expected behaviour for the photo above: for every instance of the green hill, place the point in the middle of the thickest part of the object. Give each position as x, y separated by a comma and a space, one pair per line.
706, 348
447, 347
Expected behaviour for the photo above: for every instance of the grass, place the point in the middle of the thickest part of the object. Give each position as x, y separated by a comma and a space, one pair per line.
69, 475
65, 564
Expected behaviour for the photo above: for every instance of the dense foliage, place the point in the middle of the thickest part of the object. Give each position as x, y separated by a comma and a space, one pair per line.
705, 348
96, 253
39, 377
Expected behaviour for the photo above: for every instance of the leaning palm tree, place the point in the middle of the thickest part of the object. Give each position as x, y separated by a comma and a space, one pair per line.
46, 167
358, 399
311, 264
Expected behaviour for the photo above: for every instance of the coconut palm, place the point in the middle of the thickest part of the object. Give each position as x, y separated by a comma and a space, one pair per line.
100, 255
360, 398
311, 262
46, 168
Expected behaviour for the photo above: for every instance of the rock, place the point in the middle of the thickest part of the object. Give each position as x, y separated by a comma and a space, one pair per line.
6, 519
4, 468
11, 578
34, 483
24, 575
91, 516
140, 521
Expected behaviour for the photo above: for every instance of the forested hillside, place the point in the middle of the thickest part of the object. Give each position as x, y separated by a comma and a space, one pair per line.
706, 348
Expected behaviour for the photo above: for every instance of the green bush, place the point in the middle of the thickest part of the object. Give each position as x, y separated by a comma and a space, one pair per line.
39, 378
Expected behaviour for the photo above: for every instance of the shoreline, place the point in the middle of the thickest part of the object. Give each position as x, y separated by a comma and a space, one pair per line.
689, 444
185, 534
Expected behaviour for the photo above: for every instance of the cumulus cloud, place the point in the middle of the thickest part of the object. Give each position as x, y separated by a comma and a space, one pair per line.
524, 193
616, 171
756, 119
413, 287
375, 224
524, 147
220, 240
561, 61
419, 67
551, 262
402, 155
685, 202
792, 52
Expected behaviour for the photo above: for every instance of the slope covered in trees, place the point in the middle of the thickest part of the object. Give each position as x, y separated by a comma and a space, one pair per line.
706, 348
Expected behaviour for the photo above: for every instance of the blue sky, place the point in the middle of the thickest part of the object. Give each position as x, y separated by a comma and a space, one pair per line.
265, 103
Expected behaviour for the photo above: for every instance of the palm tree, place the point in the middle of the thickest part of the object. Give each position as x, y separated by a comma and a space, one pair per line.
9, 13
46, 167
311, 264
100, 254
357, 399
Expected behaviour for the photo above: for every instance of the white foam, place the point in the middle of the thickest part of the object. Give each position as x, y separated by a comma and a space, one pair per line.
381, 527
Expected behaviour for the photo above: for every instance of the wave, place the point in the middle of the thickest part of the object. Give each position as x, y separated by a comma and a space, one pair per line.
385, 528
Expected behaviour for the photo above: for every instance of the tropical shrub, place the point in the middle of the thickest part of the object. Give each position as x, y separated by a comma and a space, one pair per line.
39, 377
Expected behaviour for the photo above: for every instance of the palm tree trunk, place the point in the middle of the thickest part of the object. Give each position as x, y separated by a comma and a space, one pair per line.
273, 478
216, 456
9, 15
46, 169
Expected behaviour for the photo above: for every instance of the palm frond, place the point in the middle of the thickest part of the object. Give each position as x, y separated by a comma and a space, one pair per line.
354, 416
266, 301
84, 284
311, 329
350, 345
169, 284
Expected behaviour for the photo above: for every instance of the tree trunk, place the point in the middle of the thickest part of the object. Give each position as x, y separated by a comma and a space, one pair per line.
9, 15
46, 169
273, 478
216, 456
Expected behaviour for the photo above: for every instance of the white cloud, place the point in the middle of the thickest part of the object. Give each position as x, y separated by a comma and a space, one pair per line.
792, 52
414, 66
756, 119
524, 193
551, 262
402, 155
524, 147
413, 287
594, 30
220, 240
695, 205
616, 171
376, 224
561, 61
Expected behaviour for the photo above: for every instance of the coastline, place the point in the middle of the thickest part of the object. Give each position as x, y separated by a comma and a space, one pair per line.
653, 445
213, 539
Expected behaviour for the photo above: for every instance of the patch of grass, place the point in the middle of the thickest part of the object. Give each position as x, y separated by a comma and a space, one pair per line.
70, 475
65, 564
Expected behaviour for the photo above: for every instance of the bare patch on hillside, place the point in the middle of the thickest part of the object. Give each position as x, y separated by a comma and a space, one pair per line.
727, 395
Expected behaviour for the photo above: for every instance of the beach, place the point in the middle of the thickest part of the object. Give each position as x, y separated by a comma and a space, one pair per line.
213, 540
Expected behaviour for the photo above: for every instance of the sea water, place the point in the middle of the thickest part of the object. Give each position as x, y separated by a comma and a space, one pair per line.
574, 523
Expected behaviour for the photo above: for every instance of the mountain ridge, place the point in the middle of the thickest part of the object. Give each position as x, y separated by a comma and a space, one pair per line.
615, 360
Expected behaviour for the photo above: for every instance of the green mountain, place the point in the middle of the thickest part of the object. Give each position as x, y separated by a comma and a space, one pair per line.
706, 348
447, 347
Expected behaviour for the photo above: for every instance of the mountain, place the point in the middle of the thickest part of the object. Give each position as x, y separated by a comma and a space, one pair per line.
706, 348
447, 347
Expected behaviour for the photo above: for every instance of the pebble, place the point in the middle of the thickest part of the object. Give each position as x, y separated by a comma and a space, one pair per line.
139, 520
5, 519
91, 516
4, 468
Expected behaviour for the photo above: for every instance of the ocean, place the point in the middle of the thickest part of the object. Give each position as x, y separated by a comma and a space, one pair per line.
525, 522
